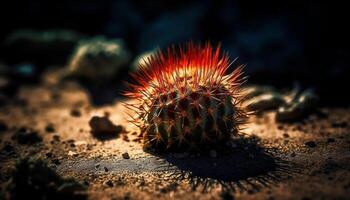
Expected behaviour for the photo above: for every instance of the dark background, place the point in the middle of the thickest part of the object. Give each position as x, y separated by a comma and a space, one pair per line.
282, 42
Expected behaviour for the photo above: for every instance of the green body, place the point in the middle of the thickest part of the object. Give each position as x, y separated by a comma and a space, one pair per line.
191, 119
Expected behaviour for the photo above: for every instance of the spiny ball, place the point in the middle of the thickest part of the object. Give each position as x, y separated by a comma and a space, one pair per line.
185, 99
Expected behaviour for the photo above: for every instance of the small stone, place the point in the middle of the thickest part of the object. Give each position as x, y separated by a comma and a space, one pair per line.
311, 144
213, 153
285, 135
106, 169
97, 166
280, 126
56, 138
75, 113
108, 183
27, 136
126, 155
125, 138
50, 128
103, 126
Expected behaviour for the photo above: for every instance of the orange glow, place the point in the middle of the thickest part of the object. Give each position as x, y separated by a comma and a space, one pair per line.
188, 67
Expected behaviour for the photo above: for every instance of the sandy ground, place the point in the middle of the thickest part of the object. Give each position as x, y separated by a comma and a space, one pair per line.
305, 160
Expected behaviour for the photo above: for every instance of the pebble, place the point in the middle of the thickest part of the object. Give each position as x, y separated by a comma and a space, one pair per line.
126, 155
106, 169
103, 126
50, 128
26, 136
75, 113
56, 138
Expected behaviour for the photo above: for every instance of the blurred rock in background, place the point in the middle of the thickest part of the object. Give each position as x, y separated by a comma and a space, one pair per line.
98, 59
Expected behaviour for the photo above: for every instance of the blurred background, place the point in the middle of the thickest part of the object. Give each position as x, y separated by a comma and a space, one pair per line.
283, 43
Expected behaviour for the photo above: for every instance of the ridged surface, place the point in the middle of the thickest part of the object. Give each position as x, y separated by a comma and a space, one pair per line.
185, 99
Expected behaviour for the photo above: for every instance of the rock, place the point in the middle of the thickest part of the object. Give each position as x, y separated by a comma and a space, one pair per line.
311, 144
300, 107
98, 59
102, 126
126, 155
266, 102
34, 178
56, 138
106, 169
75, 112
50, 128
40, 47
26, 136
285, 135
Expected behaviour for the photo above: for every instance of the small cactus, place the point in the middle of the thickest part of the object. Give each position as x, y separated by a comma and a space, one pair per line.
183, 99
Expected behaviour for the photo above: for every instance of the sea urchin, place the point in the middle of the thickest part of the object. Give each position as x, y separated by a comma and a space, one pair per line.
184, 98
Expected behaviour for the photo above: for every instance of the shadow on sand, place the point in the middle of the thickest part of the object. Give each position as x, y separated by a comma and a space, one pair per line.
244, 167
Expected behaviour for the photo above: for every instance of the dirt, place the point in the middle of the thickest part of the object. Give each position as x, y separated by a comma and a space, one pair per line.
309, 159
